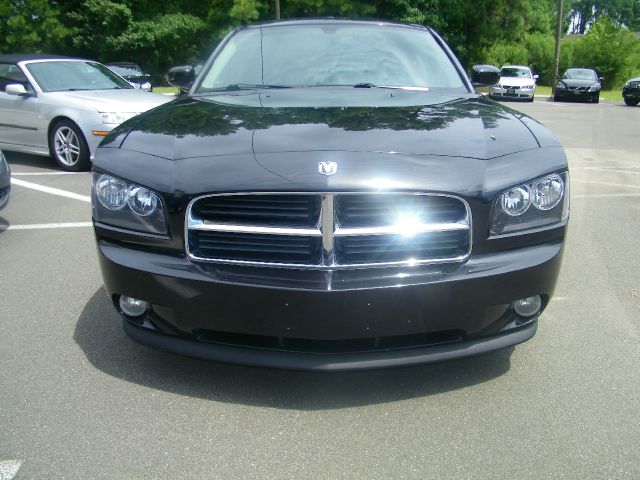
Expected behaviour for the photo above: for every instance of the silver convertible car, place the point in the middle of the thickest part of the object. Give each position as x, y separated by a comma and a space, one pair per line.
63, 107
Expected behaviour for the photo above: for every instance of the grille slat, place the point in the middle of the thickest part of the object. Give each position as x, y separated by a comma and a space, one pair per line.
370, 229
259, 210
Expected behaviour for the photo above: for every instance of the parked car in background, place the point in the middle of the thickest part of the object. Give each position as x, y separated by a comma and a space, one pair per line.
5, 181
631, 92
133, 74
64, 107
331, 195
517, 82
578, 84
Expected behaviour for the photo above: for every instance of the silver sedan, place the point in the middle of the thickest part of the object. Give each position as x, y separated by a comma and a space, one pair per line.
63, 107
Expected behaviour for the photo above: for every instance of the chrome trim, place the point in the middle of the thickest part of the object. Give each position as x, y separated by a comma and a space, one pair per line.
328, 260
395, 230
327, 225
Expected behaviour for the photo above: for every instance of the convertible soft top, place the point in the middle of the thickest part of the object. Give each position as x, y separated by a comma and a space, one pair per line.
21, 57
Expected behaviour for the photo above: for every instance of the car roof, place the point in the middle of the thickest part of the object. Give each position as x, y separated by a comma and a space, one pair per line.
23, 57
515, 66
332, 21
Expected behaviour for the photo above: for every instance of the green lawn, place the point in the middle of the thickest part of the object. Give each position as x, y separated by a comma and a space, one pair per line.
609, 95
165, 90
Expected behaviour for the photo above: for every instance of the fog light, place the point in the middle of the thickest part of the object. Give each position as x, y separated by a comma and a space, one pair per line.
133, 307
528, 307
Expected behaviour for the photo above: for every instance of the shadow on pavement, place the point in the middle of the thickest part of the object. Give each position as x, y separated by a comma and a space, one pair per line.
100, 335
28, 160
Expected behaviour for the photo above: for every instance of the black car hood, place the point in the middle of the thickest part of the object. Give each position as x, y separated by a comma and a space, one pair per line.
308, 120
575, 82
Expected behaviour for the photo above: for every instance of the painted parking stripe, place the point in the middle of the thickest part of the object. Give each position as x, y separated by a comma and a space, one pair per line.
51, 190
35, 174
46, 226
608, 184
9, 468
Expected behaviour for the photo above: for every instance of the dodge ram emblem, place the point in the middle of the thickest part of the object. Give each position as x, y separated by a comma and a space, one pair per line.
327, 168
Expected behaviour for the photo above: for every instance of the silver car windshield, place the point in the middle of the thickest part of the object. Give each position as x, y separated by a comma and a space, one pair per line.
61, 76
333, 55
514, 72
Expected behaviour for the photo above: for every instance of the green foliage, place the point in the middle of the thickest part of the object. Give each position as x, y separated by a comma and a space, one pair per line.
161, 34
30, 26
612, 50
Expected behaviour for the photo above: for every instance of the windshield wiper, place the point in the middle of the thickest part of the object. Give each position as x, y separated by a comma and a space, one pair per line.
373, 85
246, 86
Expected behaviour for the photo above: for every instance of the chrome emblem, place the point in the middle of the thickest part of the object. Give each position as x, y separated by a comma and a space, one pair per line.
327, 168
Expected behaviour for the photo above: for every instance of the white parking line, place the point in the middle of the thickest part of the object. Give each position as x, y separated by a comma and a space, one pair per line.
34, 174
45, 226
9, 468
51, 190
623, 185
606, 195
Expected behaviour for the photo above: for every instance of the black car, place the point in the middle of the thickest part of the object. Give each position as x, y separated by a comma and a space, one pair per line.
5, 181
331, 195
582, 84
631, 92
133, 74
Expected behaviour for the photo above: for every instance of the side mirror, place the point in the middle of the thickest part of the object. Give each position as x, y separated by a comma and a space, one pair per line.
182, 76
536, 77
484, 75
16, 89
601, 79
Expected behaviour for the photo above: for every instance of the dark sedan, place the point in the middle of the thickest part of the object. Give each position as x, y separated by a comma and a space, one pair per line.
631, 92
331, 195
133, 74
5, 181
582, 84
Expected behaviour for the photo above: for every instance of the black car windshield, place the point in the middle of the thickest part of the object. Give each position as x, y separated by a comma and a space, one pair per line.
69, 75
515, 72
126, 70
580, 74
333, 54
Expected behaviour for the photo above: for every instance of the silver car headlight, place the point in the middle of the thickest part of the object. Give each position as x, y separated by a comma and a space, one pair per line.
116, 118
595, 87
126, 205
540, 203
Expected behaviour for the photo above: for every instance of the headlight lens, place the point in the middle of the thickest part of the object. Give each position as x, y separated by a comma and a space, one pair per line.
546, 193
127, 205
595, 87
116, 118
559, 85
540, 203
515, 201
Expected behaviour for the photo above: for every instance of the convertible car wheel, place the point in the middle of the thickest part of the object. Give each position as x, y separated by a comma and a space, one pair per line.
68, 147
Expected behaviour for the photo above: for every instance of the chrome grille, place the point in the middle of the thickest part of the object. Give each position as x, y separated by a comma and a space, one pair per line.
328, 230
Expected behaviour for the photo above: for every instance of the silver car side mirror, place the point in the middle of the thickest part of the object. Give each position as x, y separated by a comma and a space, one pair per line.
15, 89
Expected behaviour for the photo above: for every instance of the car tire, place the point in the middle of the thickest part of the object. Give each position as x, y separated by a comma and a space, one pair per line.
556, 99
596, 99
68, 147
532, 98
631, 102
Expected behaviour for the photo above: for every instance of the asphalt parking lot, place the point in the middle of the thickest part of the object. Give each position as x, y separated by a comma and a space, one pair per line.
79, 400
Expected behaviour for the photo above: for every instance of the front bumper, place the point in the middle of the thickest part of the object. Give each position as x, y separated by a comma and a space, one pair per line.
581, 95
631, 93
508, 93
371, 319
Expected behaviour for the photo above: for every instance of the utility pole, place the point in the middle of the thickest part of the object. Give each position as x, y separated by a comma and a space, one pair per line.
277, 9
556, 61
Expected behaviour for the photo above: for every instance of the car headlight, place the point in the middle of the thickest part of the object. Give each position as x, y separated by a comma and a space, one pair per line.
540, 203
126, 205
145, 86
595, 87
560, 85
116, 118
